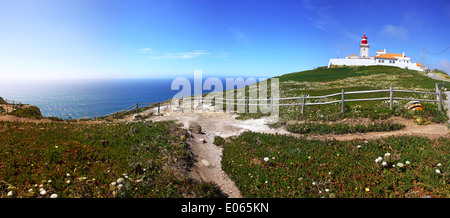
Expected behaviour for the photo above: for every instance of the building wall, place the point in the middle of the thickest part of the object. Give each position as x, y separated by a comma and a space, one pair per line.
369, 62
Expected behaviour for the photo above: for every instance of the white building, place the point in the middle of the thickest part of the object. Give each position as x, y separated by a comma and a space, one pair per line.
380, 58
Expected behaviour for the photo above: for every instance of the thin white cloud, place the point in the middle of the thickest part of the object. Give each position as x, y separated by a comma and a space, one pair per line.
322, 18
394, 31
184, 55
145, 50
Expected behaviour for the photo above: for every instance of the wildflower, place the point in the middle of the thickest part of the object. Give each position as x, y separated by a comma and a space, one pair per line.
119, 180
367, 189
68, 174
53, 196
113, 183
56, 146
327, 190
439, 164
384, 163
438, 171
10, 193
378, 159
266, 159
358, 146
400, 165
407, 162
387, 154
313, 183
68, 181
43, 192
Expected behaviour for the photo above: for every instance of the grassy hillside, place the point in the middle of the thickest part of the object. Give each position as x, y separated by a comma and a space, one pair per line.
325, 81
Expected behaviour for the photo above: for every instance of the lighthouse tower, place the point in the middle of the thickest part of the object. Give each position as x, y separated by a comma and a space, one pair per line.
364, 48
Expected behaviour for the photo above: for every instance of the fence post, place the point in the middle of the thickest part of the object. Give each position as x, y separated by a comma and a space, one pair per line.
343, 100
214, 102
303, 103
137, 107
246, 105
391, 96
271, 105
159, 106
440, 100
437, 92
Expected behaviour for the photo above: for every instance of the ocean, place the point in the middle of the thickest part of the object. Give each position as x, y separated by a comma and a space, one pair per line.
74, 99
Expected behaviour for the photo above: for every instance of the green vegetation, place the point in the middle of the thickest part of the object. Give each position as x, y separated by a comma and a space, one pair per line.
30, 112
219, 141
2, 101
325, 81
414, 167
97, 160
340, 128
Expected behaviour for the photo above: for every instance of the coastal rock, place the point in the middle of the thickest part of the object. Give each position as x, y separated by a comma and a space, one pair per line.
195, 127
136, 117
205, 163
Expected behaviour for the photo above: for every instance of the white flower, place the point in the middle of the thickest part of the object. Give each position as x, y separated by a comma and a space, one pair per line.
68, 174
10, 193
43, 192
68, 181
439, 164
438, 171
327, 190
30, 190
384, 163
266, 159
119, 180
358, 146
387, 154
400, 165
378, 159
273, 158
113, 183
407, 162
53, 196
313, 183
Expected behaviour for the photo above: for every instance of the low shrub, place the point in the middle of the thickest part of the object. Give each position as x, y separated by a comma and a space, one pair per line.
339, 128
30, 112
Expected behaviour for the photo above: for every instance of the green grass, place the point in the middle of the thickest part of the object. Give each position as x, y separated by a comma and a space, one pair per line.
154, 157
299, 168
340, 128
29, 112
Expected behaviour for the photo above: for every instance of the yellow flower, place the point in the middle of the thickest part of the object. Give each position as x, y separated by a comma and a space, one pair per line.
367, 189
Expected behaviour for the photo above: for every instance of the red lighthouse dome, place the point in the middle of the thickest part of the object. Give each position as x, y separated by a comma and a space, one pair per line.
364, 39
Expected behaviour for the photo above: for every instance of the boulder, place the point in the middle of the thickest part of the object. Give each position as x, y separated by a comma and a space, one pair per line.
195, 127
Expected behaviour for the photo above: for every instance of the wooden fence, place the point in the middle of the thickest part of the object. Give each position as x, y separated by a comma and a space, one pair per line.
304, 100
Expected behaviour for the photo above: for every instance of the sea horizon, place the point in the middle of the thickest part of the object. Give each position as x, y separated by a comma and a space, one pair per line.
89, 98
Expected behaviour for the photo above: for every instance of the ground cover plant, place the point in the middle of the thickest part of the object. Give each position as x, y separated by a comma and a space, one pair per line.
267, 166
65, 159
341, 128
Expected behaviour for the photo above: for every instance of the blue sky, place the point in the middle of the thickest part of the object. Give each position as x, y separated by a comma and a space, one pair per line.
170, 38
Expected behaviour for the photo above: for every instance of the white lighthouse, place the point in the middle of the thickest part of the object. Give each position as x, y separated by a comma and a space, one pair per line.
380, 58
364, 48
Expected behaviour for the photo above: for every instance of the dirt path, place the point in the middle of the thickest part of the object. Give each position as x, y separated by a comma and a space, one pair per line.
209, 156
